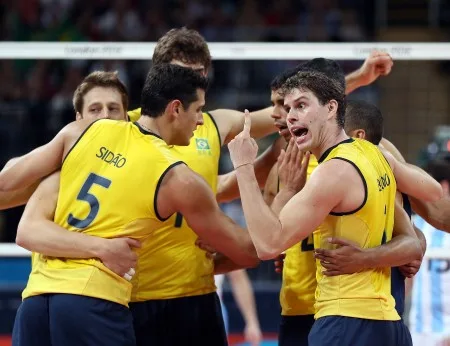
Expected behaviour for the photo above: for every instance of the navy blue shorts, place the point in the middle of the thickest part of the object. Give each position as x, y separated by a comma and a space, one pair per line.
343, 331
192, 321
294, 330
31, 326
73, 320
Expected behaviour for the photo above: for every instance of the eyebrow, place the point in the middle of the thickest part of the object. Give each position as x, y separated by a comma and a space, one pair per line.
108, 103
301, 98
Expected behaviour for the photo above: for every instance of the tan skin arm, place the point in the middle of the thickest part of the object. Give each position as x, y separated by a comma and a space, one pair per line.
414, 181
32, 167
208, 222
325, 191
435, 213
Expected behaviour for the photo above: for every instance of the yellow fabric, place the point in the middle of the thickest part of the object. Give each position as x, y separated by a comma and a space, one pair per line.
108, 183
366, 294
297, 295
171, 265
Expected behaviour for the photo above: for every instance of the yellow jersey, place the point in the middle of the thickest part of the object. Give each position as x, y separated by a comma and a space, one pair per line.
108, 186
366, 294
298, 287
171, 265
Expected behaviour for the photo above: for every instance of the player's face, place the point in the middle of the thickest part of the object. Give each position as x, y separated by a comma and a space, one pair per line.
103, 103
191, 118
306, 118
279, 114
200, 68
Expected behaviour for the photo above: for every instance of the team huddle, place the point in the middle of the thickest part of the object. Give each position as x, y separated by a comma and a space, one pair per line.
126, 233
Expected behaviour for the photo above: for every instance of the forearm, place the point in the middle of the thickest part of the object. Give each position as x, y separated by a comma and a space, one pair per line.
436, 213
281, 200
415, 182
11, 199
401, 250
50, 239
263, 225
352, 81
243, 294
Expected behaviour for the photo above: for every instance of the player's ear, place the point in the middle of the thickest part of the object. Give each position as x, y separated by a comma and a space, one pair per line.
332, 108
360, 133
174, 108
78, 116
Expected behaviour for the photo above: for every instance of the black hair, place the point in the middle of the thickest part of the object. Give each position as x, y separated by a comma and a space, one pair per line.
168, 82
366, 116
328, 67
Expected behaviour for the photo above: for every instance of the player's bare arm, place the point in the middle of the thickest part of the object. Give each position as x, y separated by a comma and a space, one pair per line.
196, 202
327, 190
414, 181
349, 258
435, 213
38, 232
227, 187
42, 161
376, 65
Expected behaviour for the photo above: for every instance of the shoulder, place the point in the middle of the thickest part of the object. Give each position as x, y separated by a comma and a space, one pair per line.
134, 114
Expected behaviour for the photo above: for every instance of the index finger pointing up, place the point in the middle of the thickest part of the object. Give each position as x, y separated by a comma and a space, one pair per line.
247, 123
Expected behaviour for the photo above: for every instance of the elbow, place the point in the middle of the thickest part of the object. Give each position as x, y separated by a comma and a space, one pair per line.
417, 251
22, 237
267, 253
436, 193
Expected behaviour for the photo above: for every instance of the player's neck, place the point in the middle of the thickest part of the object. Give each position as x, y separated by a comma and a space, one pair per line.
329, 141
157, 126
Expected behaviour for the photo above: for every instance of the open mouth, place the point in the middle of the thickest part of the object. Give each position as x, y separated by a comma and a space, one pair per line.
300, 132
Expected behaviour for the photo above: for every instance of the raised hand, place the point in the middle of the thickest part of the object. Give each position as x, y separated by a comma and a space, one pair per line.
243, 148
377, 64
292, 167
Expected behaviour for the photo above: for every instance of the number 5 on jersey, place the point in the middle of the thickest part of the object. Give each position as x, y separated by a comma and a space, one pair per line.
85, 196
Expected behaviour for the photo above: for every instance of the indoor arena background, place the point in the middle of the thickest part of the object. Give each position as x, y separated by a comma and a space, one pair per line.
38, 80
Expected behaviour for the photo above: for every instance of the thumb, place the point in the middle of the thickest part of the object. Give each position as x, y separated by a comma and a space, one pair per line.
133, 243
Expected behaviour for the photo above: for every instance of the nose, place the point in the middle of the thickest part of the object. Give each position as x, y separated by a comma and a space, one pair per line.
275, 115
200, 119
292, 117
104, 114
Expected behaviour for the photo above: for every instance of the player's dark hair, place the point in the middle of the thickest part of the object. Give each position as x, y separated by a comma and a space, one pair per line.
328, 67
439, 169
168, 82
186, 45
101, 79
366, 116
323, 87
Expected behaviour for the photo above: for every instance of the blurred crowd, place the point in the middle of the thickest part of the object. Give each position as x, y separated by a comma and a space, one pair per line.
36, 95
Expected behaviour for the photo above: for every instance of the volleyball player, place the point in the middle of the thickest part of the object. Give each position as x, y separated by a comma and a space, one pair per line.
108, 294
348, 190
